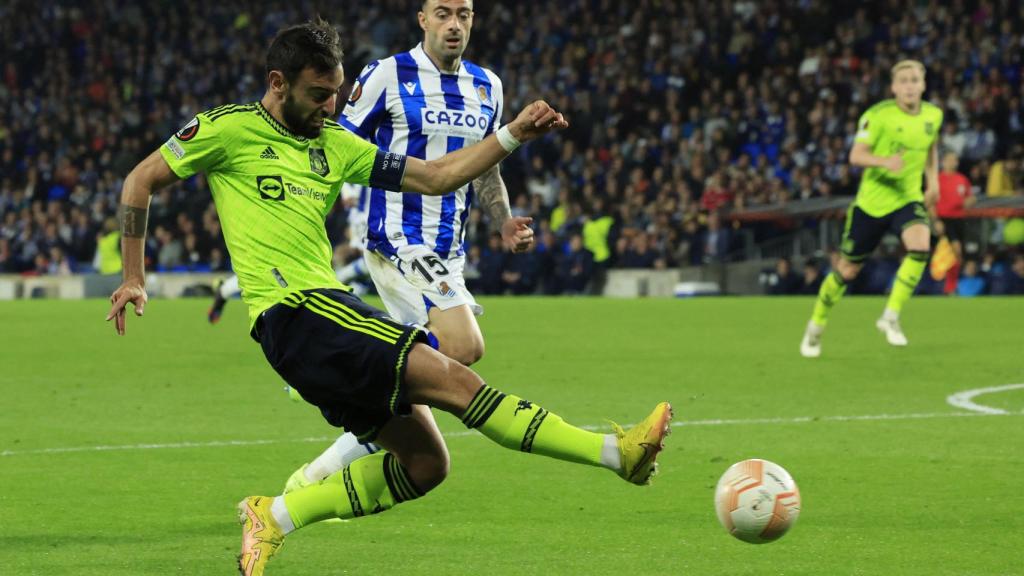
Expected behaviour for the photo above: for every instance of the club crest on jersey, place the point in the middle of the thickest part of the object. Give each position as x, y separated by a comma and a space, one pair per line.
357, 92
188, 131
482, 92
929, 128
318, 161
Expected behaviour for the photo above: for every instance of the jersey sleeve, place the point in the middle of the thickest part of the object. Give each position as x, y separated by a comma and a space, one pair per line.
498, 94
869, 130
367, 104
197, 147
368, 165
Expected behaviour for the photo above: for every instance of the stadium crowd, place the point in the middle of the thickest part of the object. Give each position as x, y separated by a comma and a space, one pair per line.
682, 112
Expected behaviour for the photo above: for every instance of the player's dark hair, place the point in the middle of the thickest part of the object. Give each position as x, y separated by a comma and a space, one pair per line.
313, 44
423, 5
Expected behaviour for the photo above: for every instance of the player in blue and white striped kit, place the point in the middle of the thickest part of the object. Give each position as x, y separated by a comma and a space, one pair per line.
425, 103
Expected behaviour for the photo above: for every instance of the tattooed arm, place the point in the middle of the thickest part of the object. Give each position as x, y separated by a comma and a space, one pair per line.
150, 175
492, 195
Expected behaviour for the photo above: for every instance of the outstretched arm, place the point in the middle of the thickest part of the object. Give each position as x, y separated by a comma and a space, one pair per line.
458, 168
150, 175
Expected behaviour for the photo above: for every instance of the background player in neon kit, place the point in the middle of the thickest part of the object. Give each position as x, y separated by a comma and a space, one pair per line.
421, 103
888, 199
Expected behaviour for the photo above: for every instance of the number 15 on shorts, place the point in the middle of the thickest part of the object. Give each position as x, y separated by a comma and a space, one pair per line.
432, 269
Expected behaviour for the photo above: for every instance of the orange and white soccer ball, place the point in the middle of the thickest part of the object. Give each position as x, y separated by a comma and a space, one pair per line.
757, 501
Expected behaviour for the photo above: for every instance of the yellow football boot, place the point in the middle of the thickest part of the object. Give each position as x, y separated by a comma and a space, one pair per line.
639, 446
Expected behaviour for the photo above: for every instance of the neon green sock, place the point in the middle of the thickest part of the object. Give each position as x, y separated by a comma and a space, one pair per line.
832, 289
369, 485
519, 424
907, 277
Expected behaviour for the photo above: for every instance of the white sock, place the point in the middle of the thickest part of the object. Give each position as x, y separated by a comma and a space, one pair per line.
345, 450
230, 289
610, 456
280, 513
890, 315
814, 329
353, 270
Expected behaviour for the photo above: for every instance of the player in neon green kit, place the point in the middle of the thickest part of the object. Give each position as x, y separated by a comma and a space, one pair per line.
275, 168
896, 142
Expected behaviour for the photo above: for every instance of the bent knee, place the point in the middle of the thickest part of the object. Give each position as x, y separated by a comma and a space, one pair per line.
848, 270
466, 350
428, 471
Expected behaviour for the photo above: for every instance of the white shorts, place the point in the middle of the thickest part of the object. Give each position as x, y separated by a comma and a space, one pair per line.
418, 280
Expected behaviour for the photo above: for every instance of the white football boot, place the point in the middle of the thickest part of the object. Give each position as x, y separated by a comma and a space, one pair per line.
810, 346
891, 328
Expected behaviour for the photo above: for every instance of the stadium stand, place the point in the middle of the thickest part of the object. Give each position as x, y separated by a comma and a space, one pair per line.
702, 132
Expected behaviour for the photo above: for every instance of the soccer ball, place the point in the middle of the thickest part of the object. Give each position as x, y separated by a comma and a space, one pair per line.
757, 501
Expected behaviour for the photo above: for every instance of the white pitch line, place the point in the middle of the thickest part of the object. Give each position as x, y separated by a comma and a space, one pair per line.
466, 433
964, 399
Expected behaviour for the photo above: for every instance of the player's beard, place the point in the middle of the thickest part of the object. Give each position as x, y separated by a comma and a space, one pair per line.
297, 122
449, 55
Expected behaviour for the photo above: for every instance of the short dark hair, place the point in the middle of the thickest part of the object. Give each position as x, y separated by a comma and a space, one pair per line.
313, 44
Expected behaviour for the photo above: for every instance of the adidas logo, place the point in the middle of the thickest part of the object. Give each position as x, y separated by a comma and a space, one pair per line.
268, 154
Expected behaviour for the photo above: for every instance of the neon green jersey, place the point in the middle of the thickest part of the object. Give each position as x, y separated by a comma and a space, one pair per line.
273, 190
889, 130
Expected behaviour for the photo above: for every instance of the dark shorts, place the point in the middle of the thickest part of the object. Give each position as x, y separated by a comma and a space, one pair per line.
343, 356
863, 232
954, 228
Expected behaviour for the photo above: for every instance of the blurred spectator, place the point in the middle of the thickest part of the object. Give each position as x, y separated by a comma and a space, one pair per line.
637, 252
971, 282
952, 141
575, 267
715, 242
812, 277
1005, 177
57, 264
108, 248
40, 266
518, 273
7, 264
490, 266
1003, 273
596, 230
675, 120
979, 142
170, 251
1017, 275
782, 280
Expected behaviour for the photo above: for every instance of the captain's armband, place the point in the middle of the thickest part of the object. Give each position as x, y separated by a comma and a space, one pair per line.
388, 171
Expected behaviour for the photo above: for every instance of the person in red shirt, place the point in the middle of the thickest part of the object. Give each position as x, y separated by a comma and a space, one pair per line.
716, 195
954, 196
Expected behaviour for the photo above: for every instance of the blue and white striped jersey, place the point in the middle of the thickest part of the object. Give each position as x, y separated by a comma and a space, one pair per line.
405, 105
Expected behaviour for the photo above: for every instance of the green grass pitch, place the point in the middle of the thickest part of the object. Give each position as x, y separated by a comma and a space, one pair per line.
127, 455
